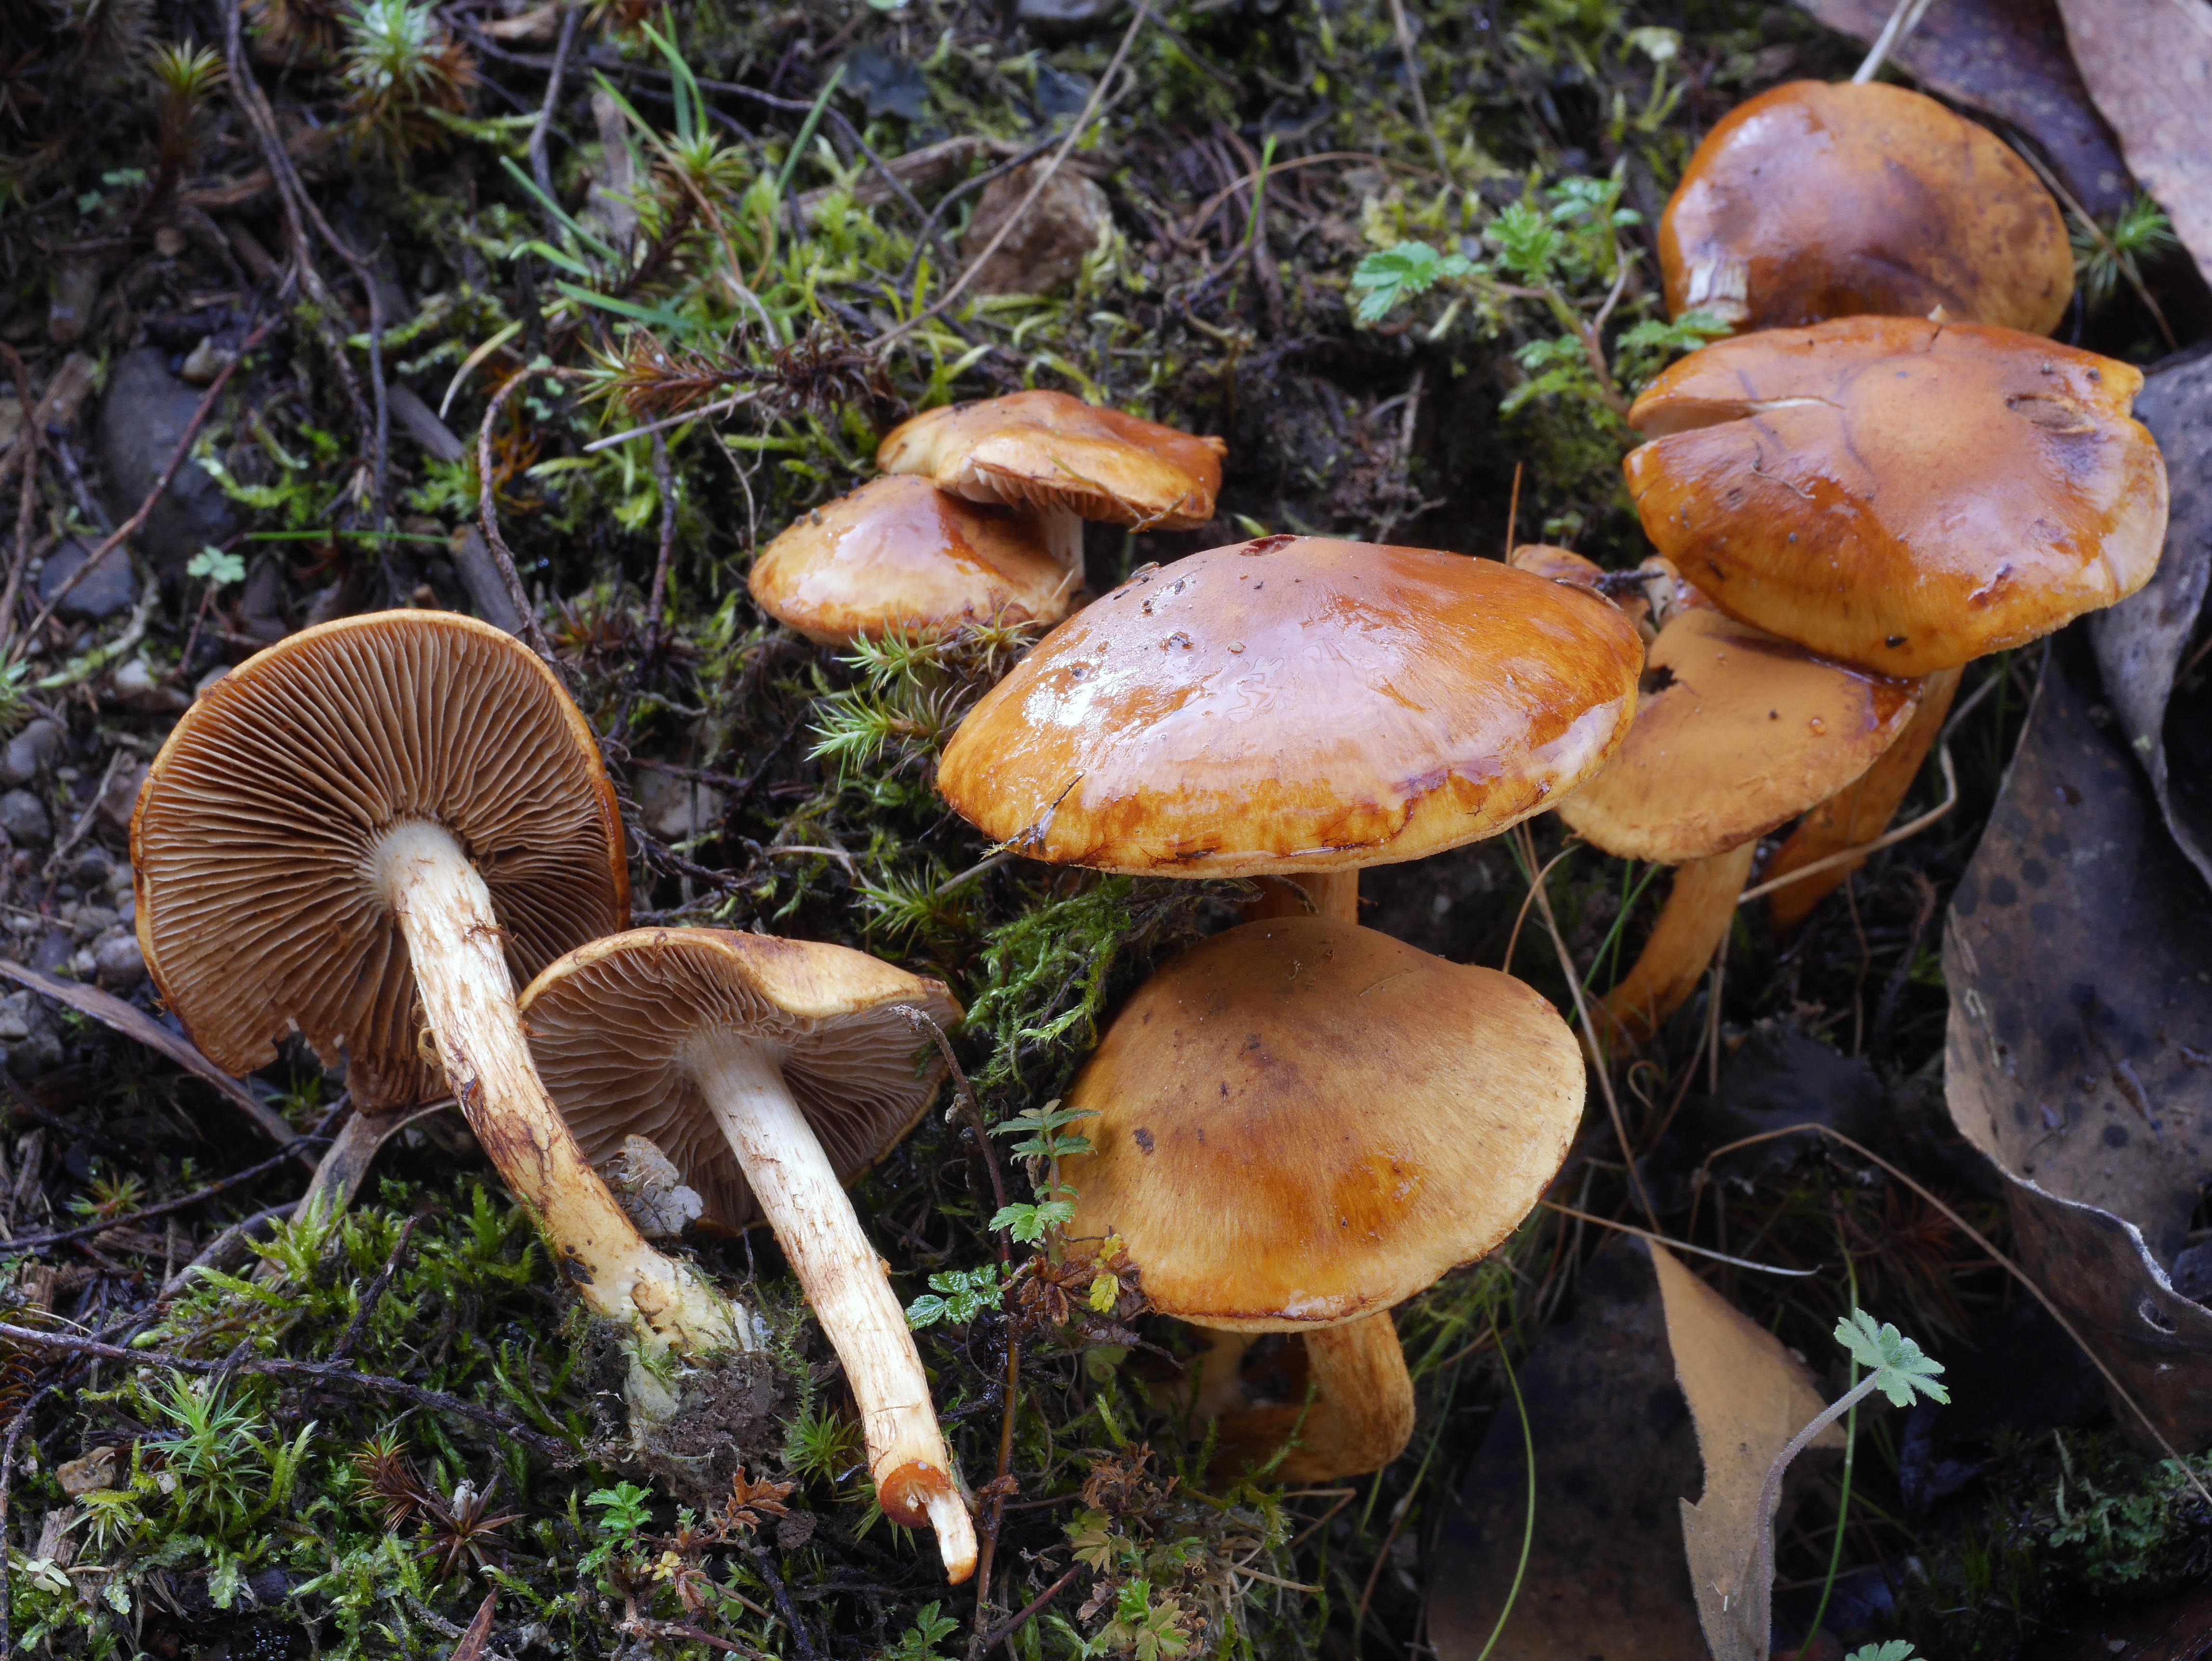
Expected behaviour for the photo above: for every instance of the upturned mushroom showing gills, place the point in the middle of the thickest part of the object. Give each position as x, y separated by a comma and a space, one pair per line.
1737, 732
1296, 706
899, 555
1897, 493
1813, 200
1302, 1123
772, 1072
390, 814
1064, 460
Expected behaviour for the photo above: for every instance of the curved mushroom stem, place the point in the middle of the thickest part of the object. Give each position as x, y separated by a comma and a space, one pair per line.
1689, 931
454, 943
808, 1208
1332, 894
1860, 812
1361, 1416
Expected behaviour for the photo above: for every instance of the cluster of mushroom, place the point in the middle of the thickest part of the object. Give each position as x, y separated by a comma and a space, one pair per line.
373, 832
1888, 473
977, 517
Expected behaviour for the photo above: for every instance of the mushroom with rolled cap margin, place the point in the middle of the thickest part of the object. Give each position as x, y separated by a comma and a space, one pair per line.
1900, 494
1813, 200
1737, 732
1065, 460
899, 555
396, 812
772, 1072
1300, 1123
1295, 707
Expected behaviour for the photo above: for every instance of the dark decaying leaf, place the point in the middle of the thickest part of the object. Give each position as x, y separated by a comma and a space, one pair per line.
2148, 65
1615, 1456
2142, 641
2007, 58
2078, 953
477, 1638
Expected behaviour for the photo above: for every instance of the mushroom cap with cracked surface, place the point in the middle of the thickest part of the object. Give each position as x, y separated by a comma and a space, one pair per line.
1815, 201
1047, 450
1736, 732
1302, 1121
1905, 495
900, 556
252, 848
1296, 704
610, 1025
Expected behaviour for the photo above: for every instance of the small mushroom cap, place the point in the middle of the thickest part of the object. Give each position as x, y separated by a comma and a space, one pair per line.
251, 849
1897, 493
1815, 201
610, 1025
1302, 1121
1296, 704
1048, 450
900, 556
1737, 732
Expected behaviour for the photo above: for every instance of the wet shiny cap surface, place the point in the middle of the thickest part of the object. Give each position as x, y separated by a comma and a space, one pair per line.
1302, 1121
1816, 201
1736, 732
900, 556
1047, 450
1899, 494
1296, 704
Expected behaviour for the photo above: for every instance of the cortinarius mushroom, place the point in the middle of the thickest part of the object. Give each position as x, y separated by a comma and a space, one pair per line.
900, 556
1064, 460
1897, 493
1302, 1123
1814, 201
1737, 732
377, 824
1297, 705
771, 1073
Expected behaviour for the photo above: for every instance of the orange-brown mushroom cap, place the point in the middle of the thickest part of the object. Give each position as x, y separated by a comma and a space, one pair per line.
252, 847
900, 556
611, 1022
1814, 201
1047, 450
1737, 732
1296, 704
1302, 1121
1900, 494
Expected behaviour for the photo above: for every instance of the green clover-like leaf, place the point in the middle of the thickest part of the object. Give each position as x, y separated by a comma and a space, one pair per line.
1389, 277
1901, 1372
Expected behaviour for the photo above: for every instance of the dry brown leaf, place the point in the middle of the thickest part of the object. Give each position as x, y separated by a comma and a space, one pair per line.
2006, 58
2148, 65
1749, 1395
477, 1640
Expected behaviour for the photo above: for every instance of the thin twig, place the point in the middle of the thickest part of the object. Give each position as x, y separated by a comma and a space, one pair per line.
132, 1220
1902, 22
664, 477
1412, 61
488, 512
1030, 1611
2125, 267
25, 504
357, 1328
541, 165
1671, 1244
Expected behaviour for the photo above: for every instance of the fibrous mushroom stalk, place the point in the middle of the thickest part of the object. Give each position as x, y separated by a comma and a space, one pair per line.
798, 1193
456, 949
1696, 918
1362, 1413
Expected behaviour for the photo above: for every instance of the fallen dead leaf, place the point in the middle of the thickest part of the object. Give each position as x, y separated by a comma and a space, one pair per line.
2148, 64
2006, 58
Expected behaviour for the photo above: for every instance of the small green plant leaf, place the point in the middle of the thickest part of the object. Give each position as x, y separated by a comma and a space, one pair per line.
1027, 1223
956, 1297
918, 1642
1897, 1649
216, 567
1389, 277
1900, 1371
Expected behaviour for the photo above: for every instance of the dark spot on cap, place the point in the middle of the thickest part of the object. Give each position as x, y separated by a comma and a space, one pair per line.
2115, 1135
1143, 1138
1894, 641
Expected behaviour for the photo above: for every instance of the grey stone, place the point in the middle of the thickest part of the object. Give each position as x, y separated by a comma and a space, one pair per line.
1058, 18
23, 816
52, 951
1047, 247
31, 751
77, 291
117, 964
34, 1042
90, 922
102, 592
141, 419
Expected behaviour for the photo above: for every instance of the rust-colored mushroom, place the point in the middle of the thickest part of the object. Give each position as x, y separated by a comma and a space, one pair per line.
1296, 706
1737, 732
1301, 1124
772, 1072
385, 821
1897, 493
1814, 201
899, 555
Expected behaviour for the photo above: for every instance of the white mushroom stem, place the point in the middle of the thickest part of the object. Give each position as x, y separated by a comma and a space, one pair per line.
805, 1203
1063, 536
455, 945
